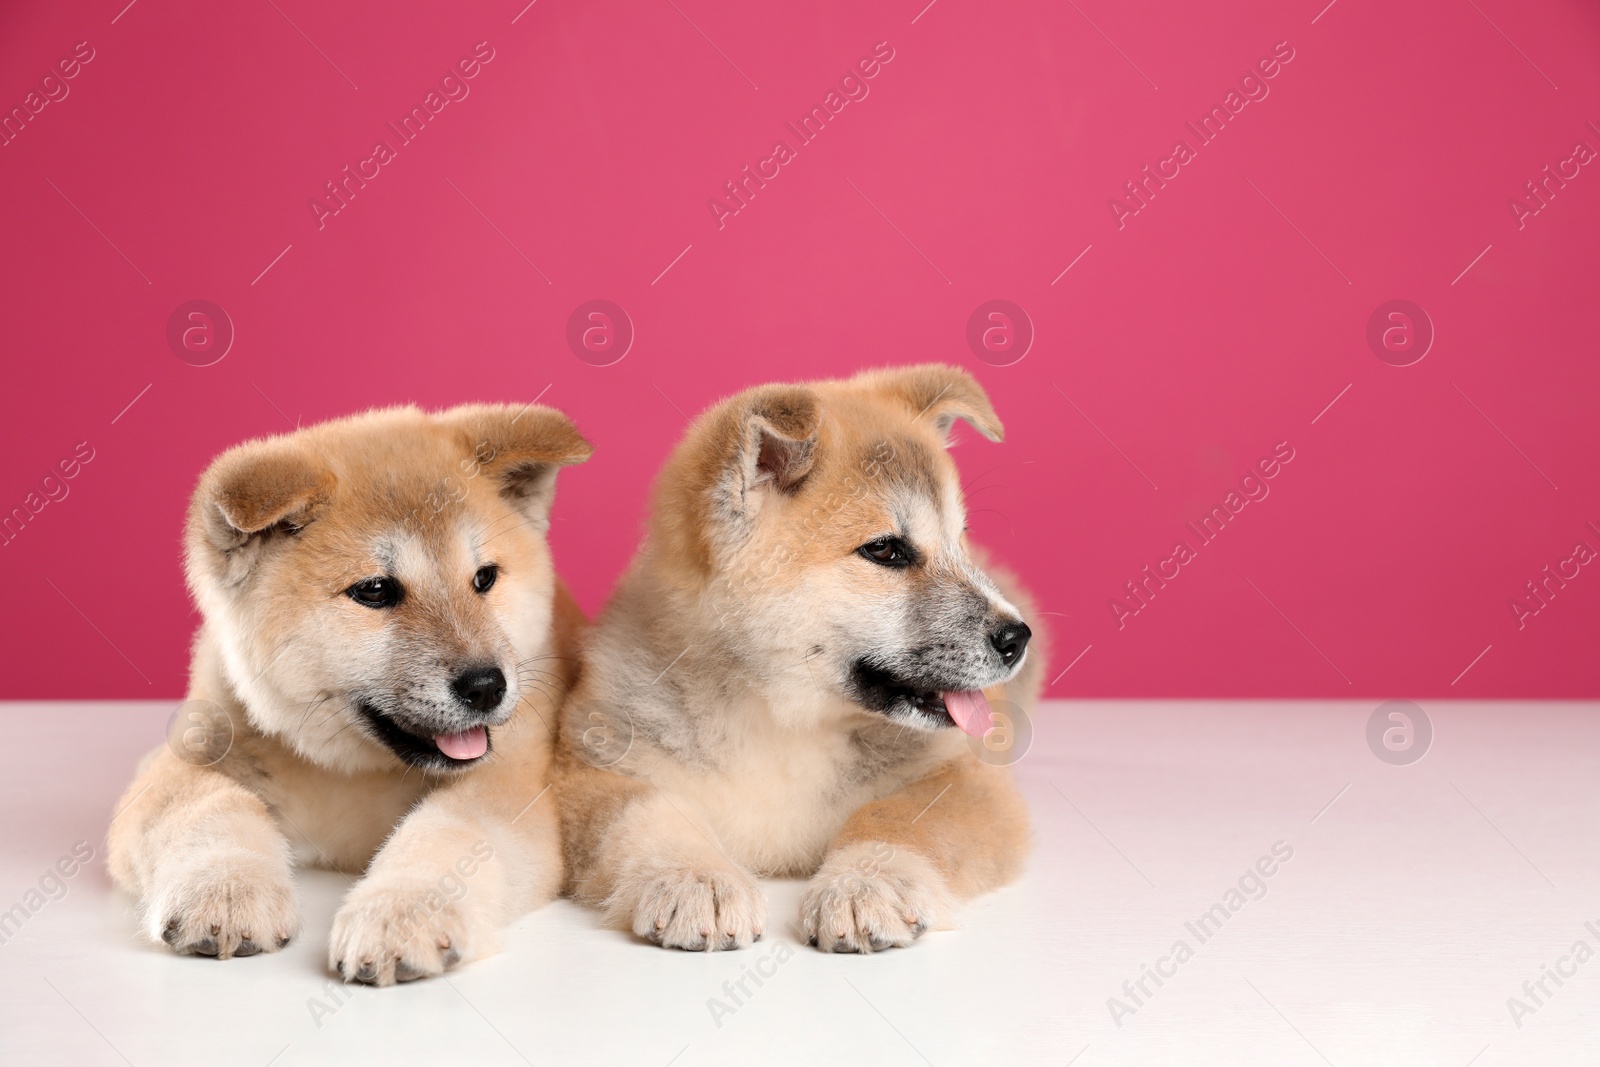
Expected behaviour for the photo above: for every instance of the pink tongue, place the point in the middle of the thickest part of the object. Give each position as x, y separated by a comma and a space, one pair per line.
970, 710
468, 744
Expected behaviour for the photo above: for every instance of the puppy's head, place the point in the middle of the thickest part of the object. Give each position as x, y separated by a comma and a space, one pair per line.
823, 527
380, 587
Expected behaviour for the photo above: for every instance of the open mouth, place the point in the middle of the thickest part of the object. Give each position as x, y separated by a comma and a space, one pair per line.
437, 752
883, 691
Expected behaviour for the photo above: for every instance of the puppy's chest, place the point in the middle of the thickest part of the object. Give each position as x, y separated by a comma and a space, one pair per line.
331, 819
777, 796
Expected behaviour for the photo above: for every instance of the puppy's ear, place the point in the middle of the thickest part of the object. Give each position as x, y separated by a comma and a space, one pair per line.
939, 394
779, 436
750, 448
247, 497
257, 487
521, 448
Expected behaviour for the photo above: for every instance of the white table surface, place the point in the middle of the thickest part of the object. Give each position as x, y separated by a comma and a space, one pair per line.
1415, 904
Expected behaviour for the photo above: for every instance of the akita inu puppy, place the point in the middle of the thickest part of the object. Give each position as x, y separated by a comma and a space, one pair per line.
373, 688
770, 689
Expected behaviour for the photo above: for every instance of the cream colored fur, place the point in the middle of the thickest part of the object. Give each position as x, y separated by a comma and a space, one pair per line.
721, 730
292, 769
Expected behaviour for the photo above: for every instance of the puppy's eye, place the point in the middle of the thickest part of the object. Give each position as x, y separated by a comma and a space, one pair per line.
484, 579
376, 592
889, 551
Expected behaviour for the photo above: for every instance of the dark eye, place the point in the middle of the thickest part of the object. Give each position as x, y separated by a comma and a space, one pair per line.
889, 551
376, 592
483, 581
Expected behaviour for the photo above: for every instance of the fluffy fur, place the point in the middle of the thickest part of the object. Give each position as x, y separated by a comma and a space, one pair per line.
309, 735
755, 698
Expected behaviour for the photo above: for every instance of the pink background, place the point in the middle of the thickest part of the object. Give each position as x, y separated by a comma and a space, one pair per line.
1221, 319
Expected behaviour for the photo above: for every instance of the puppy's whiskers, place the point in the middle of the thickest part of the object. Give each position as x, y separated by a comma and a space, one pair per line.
311, 706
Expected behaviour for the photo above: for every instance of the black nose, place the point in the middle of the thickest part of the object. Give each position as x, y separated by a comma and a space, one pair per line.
1010, 640
480, 688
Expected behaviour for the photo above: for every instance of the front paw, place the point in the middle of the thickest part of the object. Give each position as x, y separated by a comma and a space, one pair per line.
871, 896
698, 910
225, 905
385, 934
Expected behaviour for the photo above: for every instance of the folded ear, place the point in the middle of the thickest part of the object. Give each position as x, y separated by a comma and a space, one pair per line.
938, 393
777, 436
258, 487
249, 495
522, 448
747, 449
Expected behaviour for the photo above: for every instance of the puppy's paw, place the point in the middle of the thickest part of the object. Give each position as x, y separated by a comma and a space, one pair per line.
872, 896
702, 910
224, 905
391, 933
